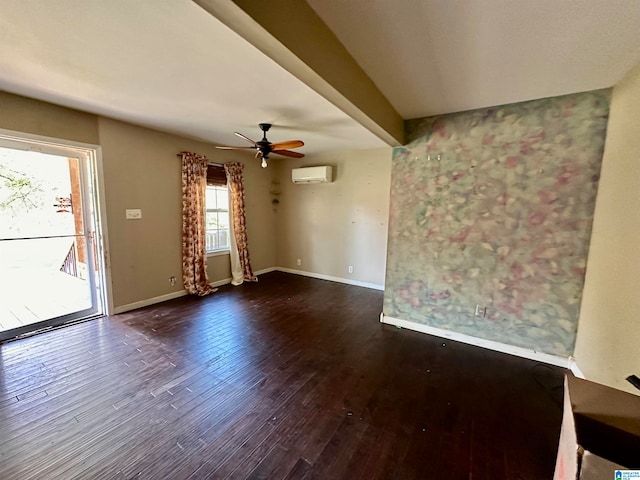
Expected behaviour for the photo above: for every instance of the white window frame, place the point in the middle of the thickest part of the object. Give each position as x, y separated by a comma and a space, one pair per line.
224, 250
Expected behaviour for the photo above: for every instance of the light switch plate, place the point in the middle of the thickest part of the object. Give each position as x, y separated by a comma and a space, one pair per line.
133, 214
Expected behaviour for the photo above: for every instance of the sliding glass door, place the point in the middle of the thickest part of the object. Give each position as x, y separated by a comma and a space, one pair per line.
50, 268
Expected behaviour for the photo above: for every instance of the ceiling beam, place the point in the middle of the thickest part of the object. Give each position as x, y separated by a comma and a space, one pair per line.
294, 36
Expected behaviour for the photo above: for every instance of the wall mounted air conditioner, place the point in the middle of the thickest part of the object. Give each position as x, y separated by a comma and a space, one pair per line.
312, 175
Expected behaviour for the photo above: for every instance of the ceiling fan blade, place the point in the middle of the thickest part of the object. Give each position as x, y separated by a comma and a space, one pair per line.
286, 145
245, 137
222, 147
288, 153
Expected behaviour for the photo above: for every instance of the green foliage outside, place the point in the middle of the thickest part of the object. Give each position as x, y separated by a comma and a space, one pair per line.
18, 190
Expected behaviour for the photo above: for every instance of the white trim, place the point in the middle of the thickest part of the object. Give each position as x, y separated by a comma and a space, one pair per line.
149, 301
320, 276
62, 146
265, 270
104, 232
219, 283
216, 253
178, 294
478, 342
226, 281
49, 142
573, 366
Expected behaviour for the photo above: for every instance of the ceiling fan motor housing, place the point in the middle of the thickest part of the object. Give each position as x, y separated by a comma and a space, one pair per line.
264, 145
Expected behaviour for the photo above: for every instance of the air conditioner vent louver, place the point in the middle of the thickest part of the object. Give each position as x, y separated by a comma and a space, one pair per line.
312, 175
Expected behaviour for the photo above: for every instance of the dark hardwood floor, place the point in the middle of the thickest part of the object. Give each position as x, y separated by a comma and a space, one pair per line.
289, 378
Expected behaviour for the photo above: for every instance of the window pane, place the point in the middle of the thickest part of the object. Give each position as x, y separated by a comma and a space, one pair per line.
212, 220
223, 238
211, 198
209, 240
222, 198
217, 222
223, 219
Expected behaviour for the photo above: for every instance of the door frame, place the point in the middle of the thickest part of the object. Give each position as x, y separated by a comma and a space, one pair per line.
58, 146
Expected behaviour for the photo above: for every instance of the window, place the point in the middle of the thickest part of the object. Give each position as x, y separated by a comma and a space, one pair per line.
217, 216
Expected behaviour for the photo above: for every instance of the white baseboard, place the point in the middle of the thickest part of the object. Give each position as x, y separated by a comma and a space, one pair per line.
573, 366
148, 301
264, 270
478, 342
219, 283
180, 293
320, 276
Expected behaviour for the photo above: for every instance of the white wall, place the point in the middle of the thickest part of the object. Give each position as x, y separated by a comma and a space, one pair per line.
331, 226
608, 341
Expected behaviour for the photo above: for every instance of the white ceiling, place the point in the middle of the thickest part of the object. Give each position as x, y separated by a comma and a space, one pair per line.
440, 56
165, 64
172, 66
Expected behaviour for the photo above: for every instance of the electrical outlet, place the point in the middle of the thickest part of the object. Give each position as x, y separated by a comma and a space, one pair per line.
172, 280
298, 262
133, 214
350, 268
481, 310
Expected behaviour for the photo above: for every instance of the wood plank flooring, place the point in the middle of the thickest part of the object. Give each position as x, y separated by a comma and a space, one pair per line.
289, 378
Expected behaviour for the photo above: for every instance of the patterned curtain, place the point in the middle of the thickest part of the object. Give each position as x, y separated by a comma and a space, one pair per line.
194, 252
240, 264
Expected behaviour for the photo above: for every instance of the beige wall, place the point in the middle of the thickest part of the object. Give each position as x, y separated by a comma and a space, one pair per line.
39, 118
331, 226
609, 326
141, 170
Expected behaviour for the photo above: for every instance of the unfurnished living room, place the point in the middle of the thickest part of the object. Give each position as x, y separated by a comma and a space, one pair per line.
347, 239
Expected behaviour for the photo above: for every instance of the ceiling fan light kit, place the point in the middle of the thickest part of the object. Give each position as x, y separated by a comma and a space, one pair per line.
264, 147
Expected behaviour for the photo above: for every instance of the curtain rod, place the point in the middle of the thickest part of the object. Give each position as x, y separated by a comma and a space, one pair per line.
179, 155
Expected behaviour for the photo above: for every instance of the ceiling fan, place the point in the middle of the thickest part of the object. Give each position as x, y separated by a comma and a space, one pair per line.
264, 147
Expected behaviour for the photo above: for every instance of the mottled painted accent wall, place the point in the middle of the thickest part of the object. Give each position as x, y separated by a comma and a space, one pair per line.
494, 207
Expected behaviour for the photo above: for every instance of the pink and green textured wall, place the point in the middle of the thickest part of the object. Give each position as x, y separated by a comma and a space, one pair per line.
494, 207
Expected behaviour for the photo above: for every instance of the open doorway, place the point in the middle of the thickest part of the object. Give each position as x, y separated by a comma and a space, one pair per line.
52, 268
